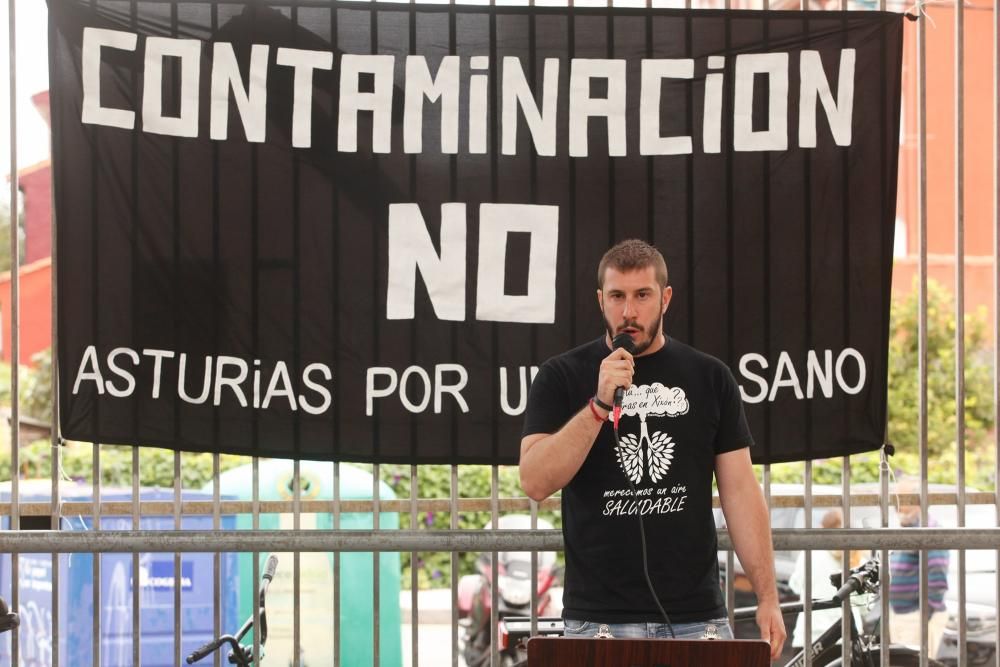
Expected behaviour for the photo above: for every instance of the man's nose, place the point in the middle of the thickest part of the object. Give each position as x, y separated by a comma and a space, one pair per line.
628, 309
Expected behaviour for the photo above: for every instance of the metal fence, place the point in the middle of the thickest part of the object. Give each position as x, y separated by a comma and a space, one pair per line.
925, 95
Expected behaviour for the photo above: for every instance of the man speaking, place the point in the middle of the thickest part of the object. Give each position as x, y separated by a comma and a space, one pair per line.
631, 427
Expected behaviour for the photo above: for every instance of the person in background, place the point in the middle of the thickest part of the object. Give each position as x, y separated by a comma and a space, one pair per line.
904, 586
824, 563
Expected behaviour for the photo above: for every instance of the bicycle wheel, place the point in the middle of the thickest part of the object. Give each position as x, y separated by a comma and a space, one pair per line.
898, 657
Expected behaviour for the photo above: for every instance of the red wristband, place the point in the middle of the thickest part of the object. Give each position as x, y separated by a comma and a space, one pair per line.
593, 411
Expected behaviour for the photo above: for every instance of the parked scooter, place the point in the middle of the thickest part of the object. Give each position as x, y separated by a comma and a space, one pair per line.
513, 594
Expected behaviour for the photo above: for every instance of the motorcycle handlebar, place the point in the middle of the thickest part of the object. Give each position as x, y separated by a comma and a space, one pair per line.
205, 650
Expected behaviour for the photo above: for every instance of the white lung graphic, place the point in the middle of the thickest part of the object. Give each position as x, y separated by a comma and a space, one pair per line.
637, 453
658, 451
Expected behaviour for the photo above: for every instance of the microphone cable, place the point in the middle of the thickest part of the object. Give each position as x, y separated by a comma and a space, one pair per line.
642, 538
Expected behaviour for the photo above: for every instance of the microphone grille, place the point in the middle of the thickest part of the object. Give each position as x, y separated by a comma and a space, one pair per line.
623, 340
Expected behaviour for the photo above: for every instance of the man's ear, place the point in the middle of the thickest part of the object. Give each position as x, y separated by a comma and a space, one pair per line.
600, 299
668, 293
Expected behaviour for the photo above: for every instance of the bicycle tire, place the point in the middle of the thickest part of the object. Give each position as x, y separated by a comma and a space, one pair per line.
898, 657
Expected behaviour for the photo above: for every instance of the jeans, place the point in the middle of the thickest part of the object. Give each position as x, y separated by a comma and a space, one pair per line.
649, 630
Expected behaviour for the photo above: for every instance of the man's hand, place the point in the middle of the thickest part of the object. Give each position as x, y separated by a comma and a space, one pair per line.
772, 626
616, 371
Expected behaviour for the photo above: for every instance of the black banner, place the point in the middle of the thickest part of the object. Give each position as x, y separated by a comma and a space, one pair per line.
352, 231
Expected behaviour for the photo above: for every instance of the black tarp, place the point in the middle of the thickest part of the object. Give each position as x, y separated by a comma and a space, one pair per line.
260, 262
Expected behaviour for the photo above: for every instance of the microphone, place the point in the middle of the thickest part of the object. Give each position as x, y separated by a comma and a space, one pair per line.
624, 341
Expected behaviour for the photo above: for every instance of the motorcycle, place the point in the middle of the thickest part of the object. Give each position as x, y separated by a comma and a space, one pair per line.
475, 594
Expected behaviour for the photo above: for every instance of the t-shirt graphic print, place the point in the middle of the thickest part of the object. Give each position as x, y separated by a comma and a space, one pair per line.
645, 453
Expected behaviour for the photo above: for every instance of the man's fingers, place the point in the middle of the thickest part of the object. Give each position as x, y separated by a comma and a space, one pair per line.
772, 630
777, 638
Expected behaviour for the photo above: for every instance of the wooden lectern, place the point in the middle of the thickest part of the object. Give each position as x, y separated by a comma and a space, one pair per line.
591, 652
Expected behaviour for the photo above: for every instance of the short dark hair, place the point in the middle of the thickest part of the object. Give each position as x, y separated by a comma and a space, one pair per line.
632, 255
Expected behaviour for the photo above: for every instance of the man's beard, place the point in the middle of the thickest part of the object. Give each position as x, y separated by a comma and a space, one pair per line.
654, 328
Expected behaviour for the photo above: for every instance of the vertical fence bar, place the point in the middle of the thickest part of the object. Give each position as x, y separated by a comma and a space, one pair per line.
96, 570
534, 572
494, 567
336, 565
15, 319
731, 583
255, 602
136, 626
178, 570
845, 511
454, 567
216, 557
376, 570
883, 478
414, 579
56, 558
296, 590
960, 309
922, 355
54, 442
807, 579
15, 421
996, 290
845, 492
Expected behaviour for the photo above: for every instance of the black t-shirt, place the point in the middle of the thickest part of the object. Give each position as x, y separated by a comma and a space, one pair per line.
682, 410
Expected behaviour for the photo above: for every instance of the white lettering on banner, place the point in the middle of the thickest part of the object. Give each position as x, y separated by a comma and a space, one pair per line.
496, 221
711, 129
303, 62
324, 393
206, 385
89, 371
582, 106
232, 382
653, 71
479, 105
215, 380
158, 357
352, 100
443, 87
218, 373
251, 102
516, 93
189, 53
92, 112
849, 372
813, 84
775, 137
575, 107
525, 381
280, 376
454, 389
417, 398
120, 372
411, 251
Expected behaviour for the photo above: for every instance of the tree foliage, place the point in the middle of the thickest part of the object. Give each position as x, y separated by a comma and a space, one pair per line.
904, 398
